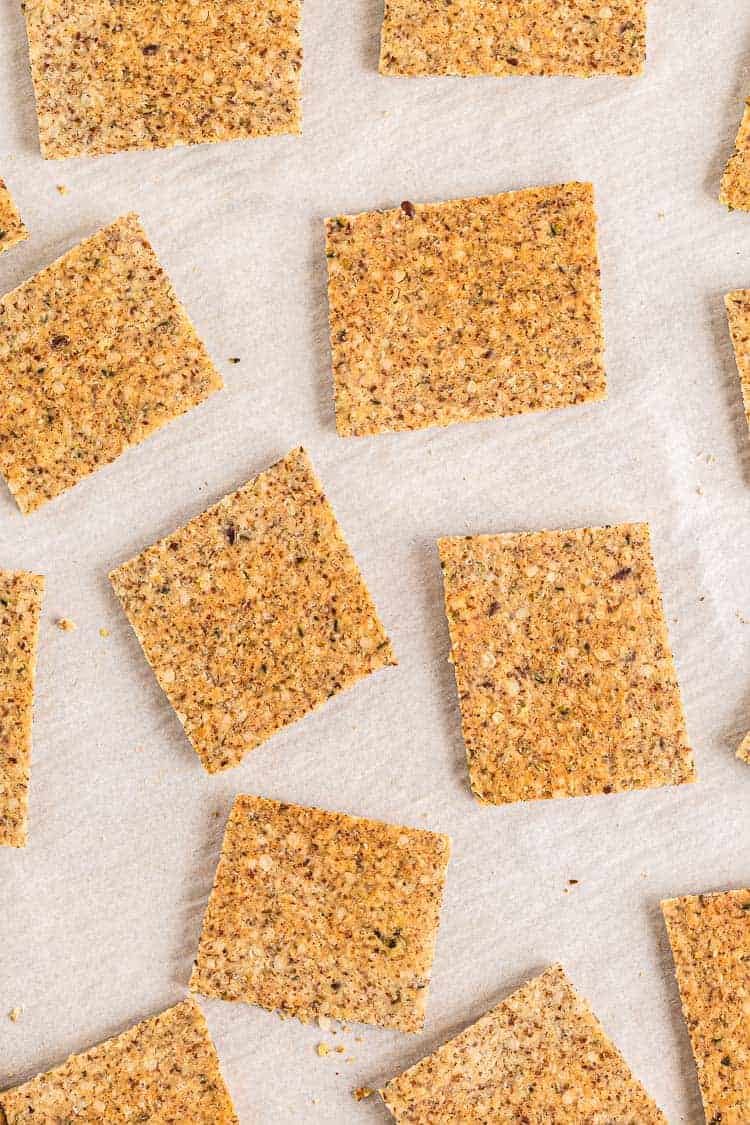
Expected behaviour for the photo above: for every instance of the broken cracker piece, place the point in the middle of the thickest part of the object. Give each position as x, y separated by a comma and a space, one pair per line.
319, 913
12, 229
20, 610
582, 38
541, 1055
744, 749
735, 183
157, 73
164, 1069
738, 314
253, 614
96, 353
710, 939
565, 677
465, 310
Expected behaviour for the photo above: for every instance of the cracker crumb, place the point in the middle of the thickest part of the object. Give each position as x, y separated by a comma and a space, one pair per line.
323, 1049
66, 624
12, 229
62, 189
14, 1015
362, 1092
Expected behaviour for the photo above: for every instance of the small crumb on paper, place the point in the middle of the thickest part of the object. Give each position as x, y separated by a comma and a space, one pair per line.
323, 1050
362, 1092
66, 624
14, 1015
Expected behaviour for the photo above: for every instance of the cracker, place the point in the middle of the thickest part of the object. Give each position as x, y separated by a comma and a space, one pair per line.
164, 1070
254, 613
96, 353
738, 313
470, 309
20, 609
710, 939
320, 914
157, 73
541, 1055
735, 183
744, 749
12, 229
565, 677
580, 37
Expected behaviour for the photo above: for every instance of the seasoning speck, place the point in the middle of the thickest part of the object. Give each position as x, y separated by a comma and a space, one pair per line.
362, 1092
323, 1049
14, 1015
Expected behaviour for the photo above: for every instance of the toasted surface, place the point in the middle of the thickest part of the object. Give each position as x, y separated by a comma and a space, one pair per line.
565, 677
540, 1056
319, 913
156, 73
162, 1071
470, 309
580, 37
744, 749
20, 609
96, 353
710, 939
12, 229
254, 613
738, 313
735, 183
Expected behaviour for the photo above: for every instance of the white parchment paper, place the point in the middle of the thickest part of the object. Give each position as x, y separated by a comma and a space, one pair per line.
99, 917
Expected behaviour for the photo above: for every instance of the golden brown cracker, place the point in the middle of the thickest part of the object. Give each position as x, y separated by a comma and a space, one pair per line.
254, 613
738, 313
735, 183
321, 914
12, 229
465, 310
565, 677
744, 749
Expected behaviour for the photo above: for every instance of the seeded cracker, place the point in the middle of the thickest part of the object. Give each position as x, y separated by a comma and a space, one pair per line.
20, 609
96, 353
156, 73
12, 229
580, 37
459, 311
738, 312
565, 676
254, 613
710, 939
540, 1056
317, 913
163, 1071
735, 184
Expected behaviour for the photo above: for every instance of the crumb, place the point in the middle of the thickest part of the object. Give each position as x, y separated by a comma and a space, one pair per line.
323, 1049
572, 882
234, 359
340, 1050
362, 1092
699, 490
14, 1015
62, 190
66, 624
359, 1038
742, 620
660, 215
103, 632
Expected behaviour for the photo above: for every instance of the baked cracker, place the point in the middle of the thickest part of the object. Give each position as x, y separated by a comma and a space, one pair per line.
735, 183
12, 229
738, 313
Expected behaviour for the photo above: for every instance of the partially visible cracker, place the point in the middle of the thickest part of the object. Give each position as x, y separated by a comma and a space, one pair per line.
539, 1056
580, 37
321, 914
738, 312
162, 1071
735, 183
157, 73
465, 310
96, 353
20, 609
744, 749
253, 614
12, 229
565, 677
710, 939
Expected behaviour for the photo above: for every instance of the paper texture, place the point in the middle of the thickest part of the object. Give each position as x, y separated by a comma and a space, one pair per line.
100, 915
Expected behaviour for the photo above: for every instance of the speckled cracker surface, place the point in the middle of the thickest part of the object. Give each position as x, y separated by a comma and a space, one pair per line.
162, 1071
541, 1056
580, 37
738, 312
710, 939
744, 749
96, 353
735, 183
565, 677
318, 913
460, 311
156, 73
12, 229
254, 613
20, 609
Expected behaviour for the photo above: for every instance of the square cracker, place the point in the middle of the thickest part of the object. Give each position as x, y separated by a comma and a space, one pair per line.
738, 313
254, 613
735, 183
318, 913
96, 353
565, 677
460, 311
580, 37
710, 939
12, 229
163, 1070
20, 609
157, 73
541, 1055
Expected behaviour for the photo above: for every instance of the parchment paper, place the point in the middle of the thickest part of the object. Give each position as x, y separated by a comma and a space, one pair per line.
99, 917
